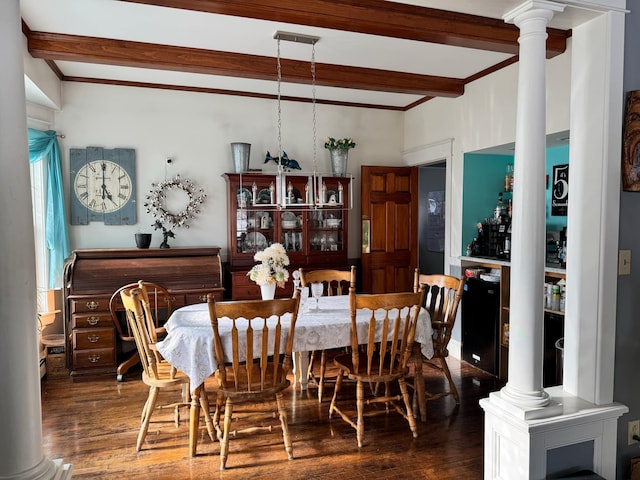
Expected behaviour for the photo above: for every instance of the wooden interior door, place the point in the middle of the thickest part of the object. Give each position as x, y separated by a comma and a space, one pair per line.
389, 228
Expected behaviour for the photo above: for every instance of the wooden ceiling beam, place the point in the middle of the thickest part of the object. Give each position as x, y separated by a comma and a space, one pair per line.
378, 17
53, 46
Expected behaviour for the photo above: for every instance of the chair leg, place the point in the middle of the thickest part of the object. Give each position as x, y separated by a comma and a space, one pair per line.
216, 415
407, 405
360, 409
285, 425
150, 405
224, 444
336, 389
312, 356
204, 405
452, 386
126, 365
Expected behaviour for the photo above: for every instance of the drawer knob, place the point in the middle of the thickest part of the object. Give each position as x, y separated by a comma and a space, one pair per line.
93, 320
93, 305
94, 358
93, 338
202, 298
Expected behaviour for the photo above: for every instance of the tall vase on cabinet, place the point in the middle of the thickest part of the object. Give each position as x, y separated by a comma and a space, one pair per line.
268, 290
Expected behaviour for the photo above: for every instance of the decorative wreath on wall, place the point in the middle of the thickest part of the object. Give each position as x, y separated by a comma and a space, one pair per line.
156, 199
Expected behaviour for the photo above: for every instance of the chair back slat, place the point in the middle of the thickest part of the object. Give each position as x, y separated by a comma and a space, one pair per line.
390, 332
336, 282
137, 312
261, 357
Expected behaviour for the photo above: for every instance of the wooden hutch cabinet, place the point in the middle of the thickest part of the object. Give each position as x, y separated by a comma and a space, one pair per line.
311, 222
91, 277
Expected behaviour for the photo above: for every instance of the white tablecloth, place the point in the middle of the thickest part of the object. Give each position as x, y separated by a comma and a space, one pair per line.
189, 342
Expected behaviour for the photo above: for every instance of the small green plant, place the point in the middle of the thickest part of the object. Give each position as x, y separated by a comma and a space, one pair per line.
332, 144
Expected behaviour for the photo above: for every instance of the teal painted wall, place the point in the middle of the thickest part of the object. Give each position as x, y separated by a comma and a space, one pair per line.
484, 179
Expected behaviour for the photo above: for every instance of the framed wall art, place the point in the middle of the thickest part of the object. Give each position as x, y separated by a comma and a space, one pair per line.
631, 143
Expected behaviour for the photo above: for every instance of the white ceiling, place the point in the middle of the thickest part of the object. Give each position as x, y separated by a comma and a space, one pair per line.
123, 20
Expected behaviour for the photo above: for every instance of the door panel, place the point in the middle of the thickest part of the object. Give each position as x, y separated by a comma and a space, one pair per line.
390, 203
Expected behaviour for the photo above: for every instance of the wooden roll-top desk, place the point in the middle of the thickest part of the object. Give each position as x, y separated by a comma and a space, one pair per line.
92, 276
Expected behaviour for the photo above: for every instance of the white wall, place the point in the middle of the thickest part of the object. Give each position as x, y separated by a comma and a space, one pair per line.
483, 117
195, 130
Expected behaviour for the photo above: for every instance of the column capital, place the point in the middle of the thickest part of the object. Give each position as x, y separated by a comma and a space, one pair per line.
533, 8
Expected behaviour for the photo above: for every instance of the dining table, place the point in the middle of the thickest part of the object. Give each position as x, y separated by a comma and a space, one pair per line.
323, 323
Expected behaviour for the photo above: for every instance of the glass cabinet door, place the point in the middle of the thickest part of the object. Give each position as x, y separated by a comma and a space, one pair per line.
254, 230
325, 230
292, 231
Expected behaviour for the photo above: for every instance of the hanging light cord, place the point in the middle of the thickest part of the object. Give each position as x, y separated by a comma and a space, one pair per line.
279, 110
313, 102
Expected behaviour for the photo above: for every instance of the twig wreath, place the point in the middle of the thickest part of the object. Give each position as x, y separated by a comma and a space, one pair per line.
155, 203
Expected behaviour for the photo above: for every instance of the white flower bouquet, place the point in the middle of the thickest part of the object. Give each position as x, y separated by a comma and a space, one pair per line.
271, 268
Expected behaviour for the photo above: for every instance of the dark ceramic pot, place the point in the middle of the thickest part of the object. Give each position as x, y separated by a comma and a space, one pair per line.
143, 240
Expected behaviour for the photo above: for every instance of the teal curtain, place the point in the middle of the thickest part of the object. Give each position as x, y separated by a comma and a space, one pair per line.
44, 145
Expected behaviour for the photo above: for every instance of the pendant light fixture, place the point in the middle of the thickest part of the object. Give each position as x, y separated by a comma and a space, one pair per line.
315, 189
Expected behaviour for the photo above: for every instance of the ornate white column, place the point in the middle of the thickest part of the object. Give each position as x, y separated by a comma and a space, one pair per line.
21, 455
524, 386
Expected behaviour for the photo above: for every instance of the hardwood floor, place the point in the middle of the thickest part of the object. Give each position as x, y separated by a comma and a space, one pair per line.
94, 424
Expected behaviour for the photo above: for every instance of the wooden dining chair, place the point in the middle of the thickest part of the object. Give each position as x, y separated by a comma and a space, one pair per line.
336, 282
442, 298
253, 367
379, 354
157, 373
161, 304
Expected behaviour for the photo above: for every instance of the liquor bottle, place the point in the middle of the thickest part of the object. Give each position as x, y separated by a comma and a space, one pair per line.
508, 178
499, 211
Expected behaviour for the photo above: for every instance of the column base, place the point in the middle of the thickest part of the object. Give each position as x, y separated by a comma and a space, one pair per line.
526, 407
45, 470
515, 447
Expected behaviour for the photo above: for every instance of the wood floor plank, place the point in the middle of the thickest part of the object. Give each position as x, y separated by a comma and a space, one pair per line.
94, 424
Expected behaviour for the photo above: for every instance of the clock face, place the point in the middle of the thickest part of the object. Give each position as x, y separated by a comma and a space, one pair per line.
102, 186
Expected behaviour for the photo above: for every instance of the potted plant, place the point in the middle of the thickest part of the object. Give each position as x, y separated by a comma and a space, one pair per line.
339, 151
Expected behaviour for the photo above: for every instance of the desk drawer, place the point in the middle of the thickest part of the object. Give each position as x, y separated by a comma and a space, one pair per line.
88, 305
103, 357
95, 320
92, 338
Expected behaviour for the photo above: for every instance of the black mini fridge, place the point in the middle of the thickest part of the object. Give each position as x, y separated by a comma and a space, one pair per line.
480, 324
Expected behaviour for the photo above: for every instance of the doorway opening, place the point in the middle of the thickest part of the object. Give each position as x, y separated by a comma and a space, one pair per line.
432, 217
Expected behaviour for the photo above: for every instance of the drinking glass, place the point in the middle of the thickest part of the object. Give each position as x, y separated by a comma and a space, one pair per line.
304, 299
316, 292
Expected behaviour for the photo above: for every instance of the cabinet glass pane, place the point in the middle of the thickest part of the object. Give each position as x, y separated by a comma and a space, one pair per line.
292, 236
326, 230
254, 230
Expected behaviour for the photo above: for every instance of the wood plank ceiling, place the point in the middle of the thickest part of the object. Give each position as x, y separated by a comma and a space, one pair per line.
378, 18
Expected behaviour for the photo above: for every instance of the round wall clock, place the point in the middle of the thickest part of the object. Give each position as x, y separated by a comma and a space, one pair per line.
103, 186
